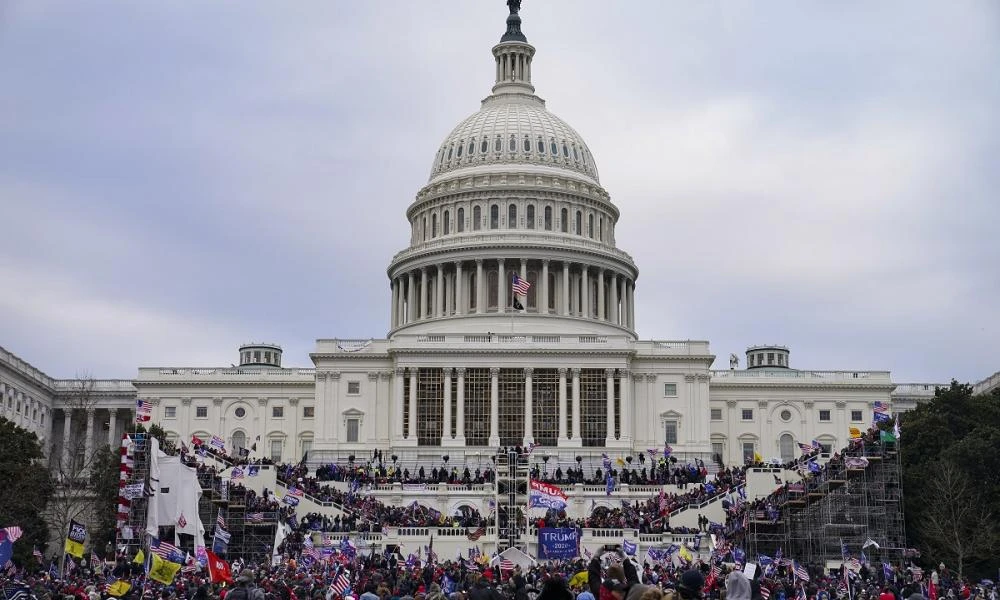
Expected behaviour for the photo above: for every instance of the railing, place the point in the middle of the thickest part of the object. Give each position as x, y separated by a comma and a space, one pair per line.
716, 498
254, 371
593, 339
793, 374
315, 500
567, 241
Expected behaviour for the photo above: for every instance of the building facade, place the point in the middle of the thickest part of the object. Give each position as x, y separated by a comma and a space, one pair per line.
511, 322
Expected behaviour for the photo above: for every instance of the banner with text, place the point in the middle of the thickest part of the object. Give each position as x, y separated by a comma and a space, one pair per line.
558, 542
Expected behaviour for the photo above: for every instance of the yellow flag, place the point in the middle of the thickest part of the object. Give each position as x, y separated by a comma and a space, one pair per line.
140, 557
757, 457
855, 433
119, 588
163, 571
684, 553
75, 538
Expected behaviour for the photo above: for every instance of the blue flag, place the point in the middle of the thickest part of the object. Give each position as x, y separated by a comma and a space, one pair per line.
610, 483
629, 547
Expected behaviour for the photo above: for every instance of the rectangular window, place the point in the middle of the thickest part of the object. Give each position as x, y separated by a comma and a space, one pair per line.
201, 412
352, 430
670, 432
256, 356
716, 414
276, 450
277, 412
746, 414
170, 412
825, 448
770, 358
856, 415
267, 357
308, 412
353, 388
748, 452
824, 415
307, 445
670, 390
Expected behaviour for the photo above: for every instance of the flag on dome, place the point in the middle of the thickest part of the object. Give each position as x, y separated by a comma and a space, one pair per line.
520, 286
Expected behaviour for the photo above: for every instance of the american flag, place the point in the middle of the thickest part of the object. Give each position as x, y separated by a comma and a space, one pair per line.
507, 565
667, 450
881, 408
478, 533
257, 517
166, 550
520, 286
806, 448
143, 406
219, 521
800, 571
341, 585
531, 447
14, 533
765, 592
217, 443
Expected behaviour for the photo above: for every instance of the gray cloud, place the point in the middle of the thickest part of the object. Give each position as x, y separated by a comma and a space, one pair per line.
179, 178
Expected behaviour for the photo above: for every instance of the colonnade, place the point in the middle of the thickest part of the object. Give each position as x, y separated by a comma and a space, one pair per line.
616, 416
90, 415
558, 287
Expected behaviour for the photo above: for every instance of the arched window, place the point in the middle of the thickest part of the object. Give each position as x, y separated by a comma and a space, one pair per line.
450, 150
564, 220
472, 146
527, 144
548, 218
239, 442
600, 229
786, 445
460, 220
512, 144
459, 154
565, 150
446, 224
541, 146
477, 218
512, 216
494, 216
576, 156
529, 216
497, 144
554, 148
590, 226
423, 228
579, 223
434, 225
484, 146
441, 157
492, 287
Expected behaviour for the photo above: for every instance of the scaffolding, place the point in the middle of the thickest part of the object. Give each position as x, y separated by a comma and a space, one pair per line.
848, 504
511, 494
131, 527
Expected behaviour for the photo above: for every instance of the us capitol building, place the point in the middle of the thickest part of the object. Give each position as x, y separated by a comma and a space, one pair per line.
469, 365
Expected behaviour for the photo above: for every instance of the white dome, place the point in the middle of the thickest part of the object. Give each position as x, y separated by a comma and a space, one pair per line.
538, 137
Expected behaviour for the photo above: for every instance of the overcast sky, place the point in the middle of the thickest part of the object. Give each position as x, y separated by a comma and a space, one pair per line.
180, 177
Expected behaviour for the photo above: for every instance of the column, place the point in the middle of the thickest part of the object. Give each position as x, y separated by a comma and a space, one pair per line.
112, 427
565, 289
524, 275
501, 287
624, 302
613, 284
480, 286
562, 406
609, 384
411, 432
625, 391
494, 406
67, 427
88, 442
576, 406
440, 290
393, 311
585, 293
460, 407
631, 304
296, 447
446, 428
529, 414
600, 294
411, 300
424, 294
732, 452
543, 303
459, 303
397, 397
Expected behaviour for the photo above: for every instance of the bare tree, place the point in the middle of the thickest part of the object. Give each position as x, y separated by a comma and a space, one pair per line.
74, 456
957, 525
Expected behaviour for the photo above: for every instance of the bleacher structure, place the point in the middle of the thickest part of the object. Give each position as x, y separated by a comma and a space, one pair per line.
511, 496
846, 505
252, 533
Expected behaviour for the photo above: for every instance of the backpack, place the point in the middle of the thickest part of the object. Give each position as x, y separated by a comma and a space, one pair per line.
246, 593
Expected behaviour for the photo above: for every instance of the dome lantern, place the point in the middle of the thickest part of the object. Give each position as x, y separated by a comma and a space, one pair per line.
513, 56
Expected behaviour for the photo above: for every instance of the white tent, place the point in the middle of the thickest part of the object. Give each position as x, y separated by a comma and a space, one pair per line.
515, 556
176, 492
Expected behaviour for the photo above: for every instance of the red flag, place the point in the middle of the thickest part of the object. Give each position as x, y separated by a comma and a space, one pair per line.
196, 440
218, 569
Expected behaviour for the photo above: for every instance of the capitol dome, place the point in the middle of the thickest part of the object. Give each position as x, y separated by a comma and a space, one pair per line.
514, 128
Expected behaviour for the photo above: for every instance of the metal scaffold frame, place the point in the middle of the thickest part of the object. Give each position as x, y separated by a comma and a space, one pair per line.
511, 494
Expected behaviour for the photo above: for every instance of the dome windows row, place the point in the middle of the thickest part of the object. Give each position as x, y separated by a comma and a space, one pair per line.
439, 222
457, 153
